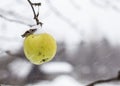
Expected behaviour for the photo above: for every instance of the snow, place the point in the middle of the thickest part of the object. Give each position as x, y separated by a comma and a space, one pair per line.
56, 67
62, 80
108, 85
20, 68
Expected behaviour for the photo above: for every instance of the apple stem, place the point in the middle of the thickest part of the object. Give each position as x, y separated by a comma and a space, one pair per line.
28, 32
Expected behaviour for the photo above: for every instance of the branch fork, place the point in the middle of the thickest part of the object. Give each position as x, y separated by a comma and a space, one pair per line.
36, 15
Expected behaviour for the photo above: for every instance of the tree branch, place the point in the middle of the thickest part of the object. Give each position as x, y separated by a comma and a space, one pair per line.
15, 21
117, 78
35, 15
75, 4
62, 17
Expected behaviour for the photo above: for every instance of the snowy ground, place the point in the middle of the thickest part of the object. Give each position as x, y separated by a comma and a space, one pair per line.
65, 80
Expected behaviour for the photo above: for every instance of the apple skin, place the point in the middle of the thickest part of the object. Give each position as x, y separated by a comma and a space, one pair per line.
40, 48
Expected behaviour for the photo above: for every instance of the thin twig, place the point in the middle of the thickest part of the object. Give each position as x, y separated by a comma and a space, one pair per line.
28, 32
35, 15
105, 81
37, 4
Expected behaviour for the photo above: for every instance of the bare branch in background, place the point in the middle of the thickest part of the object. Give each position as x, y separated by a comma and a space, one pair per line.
4, 14
117, 78
15, 21
116, 8
107, 3
104, 3
11, 13
36, 15
74, 4
61, 16
14, 54
9, 53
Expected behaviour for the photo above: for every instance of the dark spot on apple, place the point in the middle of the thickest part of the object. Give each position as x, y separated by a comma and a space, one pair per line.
43, 60
32, 36
39, 53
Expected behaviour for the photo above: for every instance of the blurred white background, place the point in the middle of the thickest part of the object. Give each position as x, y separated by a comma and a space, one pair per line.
70, 22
